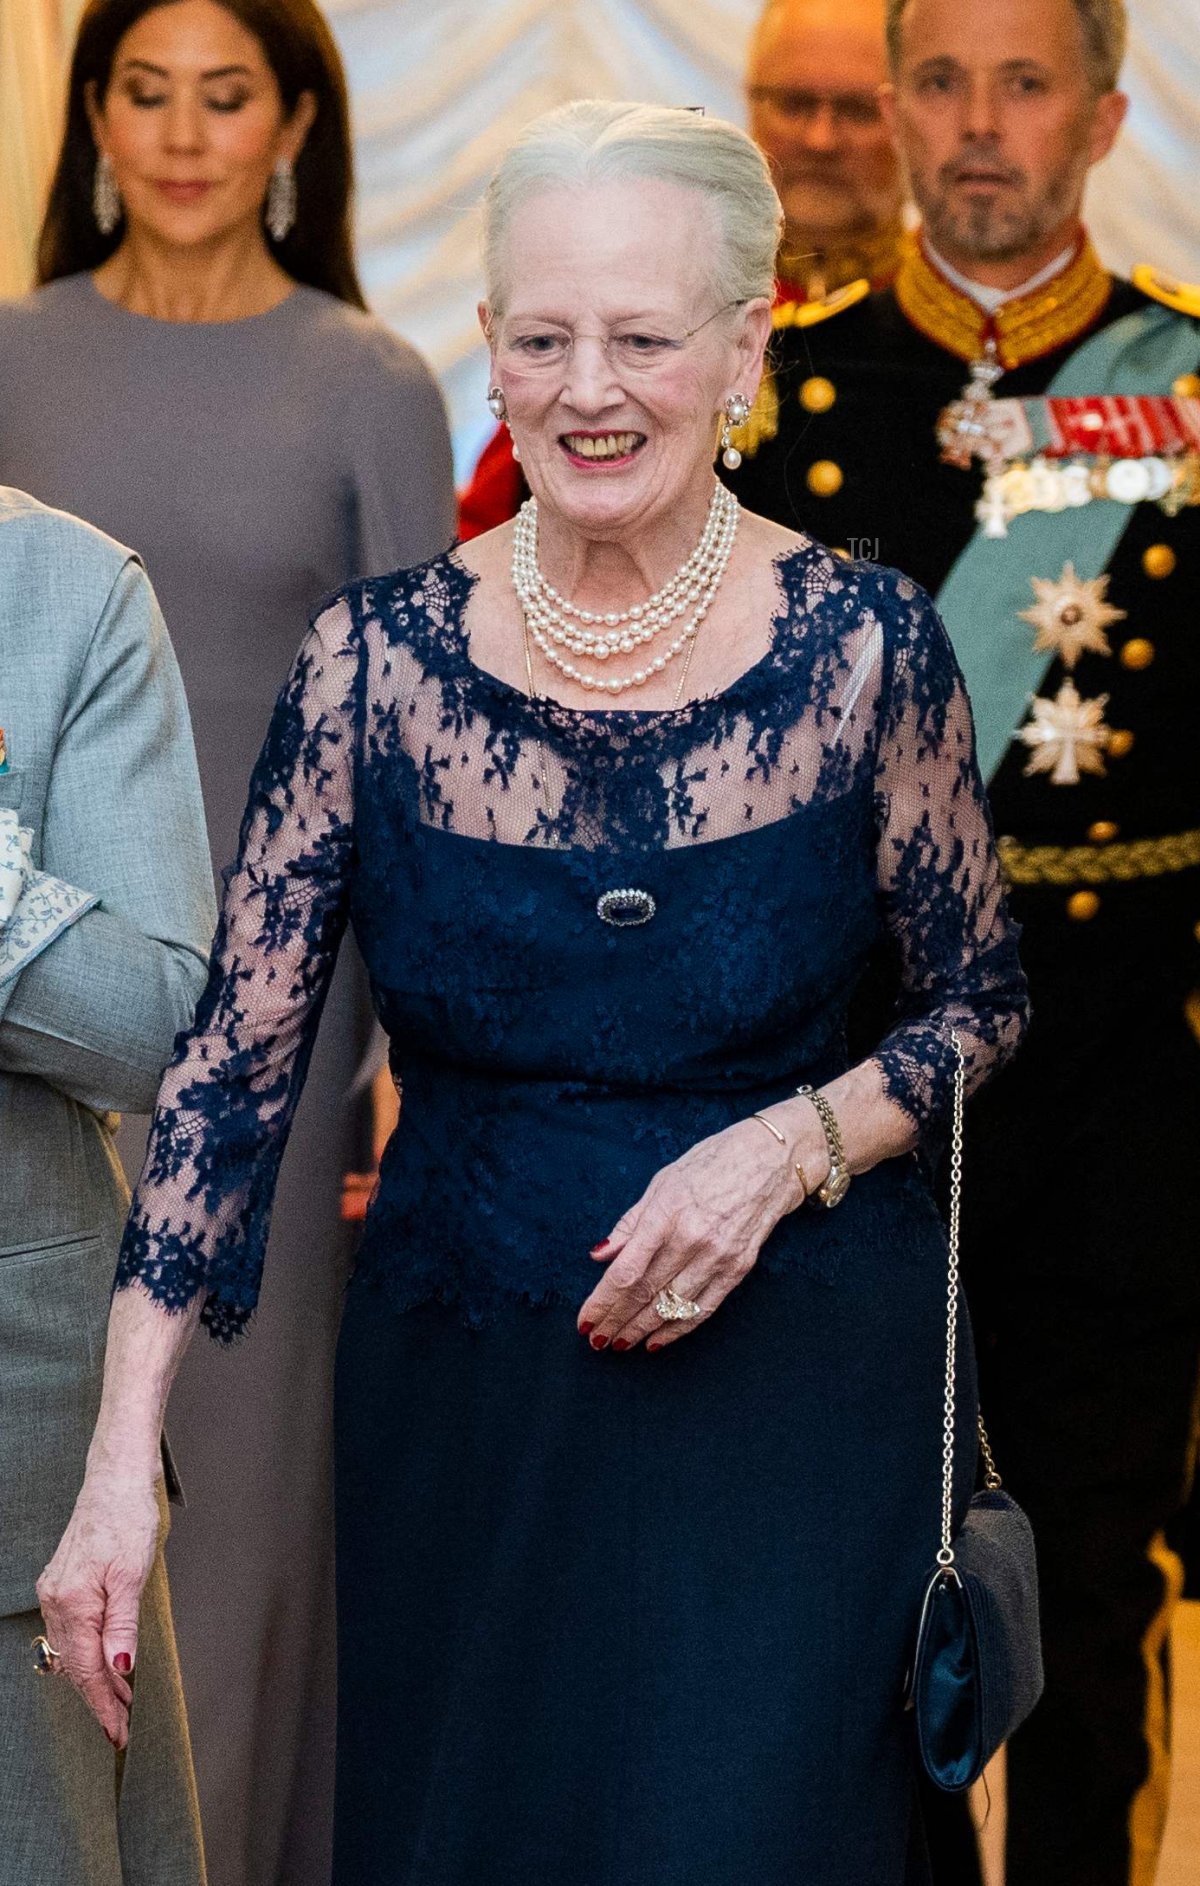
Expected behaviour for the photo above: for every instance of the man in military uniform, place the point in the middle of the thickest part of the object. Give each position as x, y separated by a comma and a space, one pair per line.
1052, 504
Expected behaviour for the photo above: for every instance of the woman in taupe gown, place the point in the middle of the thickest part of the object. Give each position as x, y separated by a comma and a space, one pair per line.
197, 375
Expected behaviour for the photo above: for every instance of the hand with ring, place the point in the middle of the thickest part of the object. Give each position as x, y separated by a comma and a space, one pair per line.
696, 1232
46, 1660
90, 1593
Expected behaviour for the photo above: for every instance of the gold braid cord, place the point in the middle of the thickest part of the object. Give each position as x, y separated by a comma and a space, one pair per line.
1023, 329
1106, 864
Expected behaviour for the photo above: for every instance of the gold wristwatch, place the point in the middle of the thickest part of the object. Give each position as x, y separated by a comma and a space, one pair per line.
837, 1184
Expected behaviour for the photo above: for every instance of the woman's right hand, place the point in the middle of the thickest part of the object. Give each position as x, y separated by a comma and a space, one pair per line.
91, 1590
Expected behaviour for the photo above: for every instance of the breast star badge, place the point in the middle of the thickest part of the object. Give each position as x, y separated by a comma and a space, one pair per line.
1071, 615
1067, 736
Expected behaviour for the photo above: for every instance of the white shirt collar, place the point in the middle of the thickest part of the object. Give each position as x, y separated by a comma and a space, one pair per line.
989, 299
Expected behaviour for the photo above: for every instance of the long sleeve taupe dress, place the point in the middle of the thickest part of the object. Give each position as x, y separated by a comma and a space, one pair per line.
255, 465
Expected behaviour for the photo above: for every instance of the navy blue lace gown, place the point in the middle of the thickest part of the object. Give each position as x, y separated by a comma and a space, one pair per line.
634, 1620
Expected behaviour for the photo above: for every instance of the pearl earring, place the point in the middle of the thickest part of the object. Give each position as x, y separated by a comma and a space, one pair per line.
498, 407
737, 411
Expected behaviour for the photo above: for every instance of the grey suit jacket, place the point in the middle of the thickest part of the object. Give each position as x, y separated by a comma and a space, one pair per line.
102, 768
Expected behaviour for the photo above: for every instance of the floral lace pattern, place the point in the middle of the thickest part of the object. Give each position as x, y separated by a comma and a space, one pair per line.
550, 1061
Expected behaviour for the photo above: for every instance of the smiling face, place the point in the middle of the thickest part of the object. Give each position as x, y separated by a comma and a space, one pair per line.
617, 441
193, 123
999, 124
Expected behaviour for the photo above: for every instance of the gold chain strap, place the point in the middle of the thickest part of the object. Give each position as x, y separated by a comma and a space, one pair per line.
992, 1479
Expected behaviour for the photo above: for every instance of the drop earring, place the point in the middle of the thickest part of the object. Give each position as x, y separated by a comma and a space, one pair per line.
498, 407
106, 198
280, 214
737, 411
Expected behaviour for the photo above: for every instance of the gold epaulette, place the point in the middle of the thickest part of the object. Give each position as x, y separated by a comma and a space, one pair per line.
808, 313
763, 423
1183, 297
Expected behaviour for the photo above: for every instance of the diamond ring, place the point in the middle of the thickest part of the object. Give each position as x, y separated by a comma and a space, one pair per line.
673, 1308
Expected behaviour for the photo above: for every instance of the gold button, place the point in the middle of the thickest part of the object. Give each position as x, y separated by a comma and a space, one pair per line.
1137, 653
1120, 742
839, 550
1103, 832
825, 478
1187, 386
817, 394
1082, 907
1158, 560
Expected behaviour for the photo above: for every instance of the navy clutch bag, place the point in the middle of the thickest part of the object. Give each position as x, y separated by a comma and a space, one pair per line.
977, 1671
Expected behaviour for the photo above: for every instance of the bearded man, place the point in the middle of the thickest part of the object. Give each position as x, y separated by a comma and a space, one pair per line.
1053, 505
813, 84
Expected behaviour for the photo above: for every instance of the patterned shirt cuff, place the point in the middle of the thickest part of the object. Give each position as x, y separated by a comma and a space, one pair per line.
47, 907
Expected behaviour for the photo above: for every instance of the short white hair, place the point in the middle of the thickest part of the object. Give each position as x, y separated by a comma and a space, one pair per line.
594, 140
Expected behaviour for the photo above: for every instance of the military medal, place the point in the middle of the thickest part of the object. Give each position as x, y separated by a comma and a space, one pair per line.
1071, 615
1067, 735
965, 428
1053, 454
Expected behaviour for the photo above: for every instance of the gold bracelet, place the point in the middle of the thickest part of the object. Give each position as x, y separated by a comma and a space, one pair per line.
770, 1126
837, 1183
797, 1168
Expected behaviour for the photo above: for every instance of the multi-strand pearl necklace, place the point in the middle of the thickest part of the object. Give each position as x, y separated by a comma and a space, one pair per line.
555, 624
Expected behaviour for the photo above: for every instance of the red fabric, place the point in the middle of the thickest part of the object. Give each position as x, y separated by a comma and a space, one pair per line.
494, 493
789, 291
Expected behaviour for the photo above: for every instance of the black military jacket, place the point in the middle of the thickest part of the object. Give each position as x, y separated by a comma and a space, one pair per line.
863, 473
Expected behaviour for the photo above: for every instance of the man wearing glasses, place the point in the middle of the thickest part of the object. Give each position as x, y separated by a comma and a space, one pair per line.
813, 82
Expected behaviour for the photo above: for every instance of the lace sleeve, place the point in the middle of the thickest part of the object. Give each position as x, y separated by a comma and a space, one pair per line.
938, 876
202, 1209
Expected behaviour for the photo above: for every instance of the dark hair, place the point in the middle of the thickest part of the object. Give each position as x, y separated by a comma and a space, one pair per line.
300, 50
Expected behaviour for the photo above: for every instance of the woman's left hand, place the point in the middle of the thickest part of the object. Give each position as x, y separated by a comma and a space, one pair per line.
697, 1229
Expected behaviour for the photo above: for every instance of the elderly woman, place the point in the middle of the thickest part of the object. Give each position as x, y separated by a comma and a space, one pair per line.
638, 1441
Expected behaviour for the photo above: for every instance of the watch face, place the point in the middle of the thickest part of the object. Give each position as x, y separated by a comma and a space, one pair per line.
835, 1187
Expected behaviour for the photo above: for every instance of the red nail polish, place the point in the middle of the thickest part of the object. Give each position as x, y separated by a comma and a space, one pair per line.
122, 1663
602, 1246
622, 1344
653, 1347
599, 1342
585, 1329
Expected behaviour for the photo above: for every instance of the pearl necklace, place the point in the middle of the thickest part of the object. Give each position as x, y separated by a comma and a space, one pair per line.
556, 624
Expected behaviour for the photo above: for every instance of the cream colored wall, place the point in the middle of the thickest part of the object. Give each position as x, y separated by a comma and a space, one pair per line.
34, 37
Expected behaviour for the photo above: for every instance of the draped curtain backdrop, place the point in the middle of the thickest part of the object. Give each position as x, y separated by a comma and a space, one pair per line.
441, 86
35, 39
